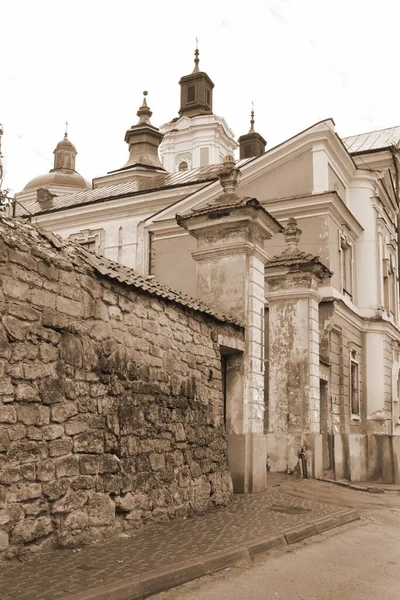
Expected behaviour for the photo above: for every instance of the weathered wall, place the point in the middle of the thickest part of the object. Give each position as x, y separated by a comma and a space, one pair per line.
343, 338
111, 411
173, 262
314, 239
290, 179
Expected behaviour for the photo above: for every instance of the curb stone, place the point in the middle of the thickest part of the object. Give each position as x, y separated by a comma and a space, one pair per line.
133, 588
381, 489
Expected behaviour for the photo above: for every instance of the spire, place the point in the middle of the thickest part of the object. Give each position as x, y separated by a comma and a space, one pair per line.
144, 113
66, 130
196, 58
251, 130
143, 140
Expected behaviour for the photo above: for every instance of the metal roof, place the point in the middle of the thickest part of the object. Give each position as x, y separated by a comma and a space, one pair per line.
129, 188
372, 140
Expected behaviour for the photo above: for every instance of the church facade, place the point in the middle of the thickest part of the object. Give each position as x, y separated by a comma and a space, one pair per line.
310, 267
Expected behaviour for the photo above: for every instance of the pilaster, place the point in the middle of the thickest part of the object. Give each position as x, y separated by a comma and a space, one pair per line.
230, 260
294, 413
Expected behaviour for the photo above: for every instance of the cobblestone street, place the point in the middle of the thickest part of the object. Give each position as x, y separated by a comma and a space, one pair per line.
249, 520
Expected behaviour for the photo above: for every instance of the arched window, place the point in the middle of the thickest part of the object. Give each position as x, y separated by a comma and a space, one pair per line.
183, 166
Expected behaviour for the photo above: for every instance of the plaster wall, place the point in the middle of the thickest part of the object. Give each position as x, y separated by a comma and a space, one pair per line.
367, 252
336, 184
344, 338
119, 235
293, 400
292, 178
173, 262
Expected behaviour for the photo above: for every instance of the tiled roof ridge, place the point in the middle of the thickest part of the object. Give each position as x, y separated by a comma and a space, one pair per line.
129, 276
113, 270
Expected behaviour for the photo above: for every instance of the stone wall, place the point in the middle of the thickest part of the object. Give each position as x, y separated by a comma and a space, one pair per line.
111, 409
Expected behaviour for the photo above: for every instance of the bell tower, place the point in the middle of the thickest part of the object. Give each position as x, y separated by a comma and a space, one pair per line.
196, 91
198, 137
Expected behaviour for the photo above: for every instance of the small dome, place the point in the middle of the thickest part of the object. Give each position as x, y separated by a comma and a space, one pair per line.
65, 178
65, 144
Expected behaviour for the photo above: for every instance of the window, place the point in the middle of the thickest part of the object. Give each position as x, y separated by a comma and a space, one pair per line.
346, 265
88, 244
191, 93
92, 240
208, 97
248, 151
354, 395
183, 166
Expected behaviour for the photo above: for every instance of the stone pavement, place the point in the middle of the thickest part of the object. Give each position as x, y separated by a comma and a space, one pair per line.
160, 556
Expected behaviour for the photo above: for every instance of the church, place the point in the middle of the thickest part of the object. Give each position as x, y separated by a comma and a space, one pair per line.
299, 242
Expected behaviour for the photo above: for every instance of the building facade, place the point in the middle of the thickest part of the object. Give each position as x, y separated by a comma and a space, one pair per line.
337, 287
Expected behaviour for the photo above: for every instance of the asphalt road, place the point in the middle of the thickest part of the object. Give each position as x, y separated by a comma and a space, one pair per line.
360, 561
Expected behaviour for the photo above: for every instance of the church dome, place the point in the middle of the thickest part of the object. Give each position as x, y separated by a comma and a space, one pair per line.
63, 175
65, 178
65, 144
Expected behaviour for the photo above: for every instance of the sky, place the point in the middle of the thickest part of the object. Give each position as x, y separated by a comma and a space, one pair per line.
88, 62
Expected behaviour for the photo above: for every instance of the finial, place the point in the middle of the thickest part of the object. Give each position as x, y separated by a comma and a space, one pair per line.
196, 58
292, 234
229, 177
144, 113
66, 130
251, 130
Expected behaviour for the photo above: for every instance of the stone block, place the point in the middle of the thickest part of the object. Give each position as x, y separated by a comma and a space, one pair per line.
4, 541
60, 447
72, 501
67, 466
77, 519
8, 414
6, 387
89, 464
48, 352
10, 475
69, 307
45, 471
38, 370
56, 489
5, 349
109, 463
70, 348
43, 298
26, 392
90, 442
358, 457
380, 459
15, 328
22, 490
157, 461
396, 458
23, 451
52, 432
33, 414
29, 530
29, 472
63, 411
52, 390
100, 509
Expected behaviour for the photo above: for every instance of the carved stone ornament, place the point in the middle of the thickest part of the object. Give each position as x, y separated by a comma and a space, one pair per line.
292, 234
